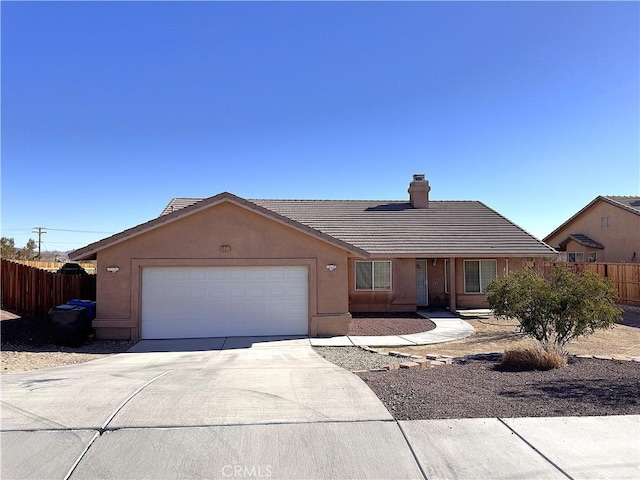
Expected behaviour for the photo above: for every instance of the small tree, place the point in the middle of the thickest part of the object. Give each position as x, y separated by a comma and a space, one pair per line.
556, 309
10, 252
8, 246
28, 252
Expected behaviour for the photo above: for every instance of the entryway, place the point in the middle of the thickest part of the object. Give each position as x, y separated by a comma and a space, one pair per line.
422, 284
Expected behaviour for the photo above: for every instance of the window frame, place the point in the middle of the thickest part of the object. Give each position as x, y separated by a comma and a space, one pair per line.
373, 285
479, 261
575, 257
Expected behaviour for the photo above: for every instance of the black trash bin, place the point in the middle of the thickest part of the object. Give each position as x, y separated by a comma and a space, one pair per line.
72, 324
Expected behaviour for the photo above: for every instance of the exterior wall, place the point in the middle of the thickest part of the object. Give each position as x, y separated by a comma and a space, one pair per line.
479, 300
621, 239
574, 247
196, 240
403, 298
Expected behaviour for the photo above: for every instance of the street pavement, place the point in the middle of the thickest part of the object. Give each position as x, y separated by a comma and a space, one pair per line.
272, 408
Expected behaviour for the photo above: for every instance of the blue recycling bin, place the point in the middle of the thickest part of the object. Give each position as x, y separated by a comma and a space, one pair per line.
72, 324
90, 305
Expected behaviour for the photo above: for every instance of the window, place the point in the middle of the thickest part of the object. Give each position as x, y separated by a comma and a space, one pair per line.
373, 275
478, 274
604, 222
575, 257
592, 257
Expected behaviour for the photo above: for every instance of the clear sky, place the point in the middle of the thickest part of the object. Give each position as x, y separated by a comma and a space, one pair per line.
111, 109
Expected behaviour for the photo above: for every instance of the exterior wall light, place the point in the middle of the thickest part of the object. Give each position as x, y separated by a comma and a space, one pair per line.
113, 269
331, 267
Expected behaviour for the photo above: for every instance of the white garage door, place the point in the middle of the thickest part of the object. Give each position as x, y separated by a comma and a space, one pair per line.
199, 302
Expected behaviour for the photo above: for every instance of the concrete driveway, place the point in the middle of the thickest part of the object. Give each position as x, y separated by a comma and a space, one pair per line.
270, 408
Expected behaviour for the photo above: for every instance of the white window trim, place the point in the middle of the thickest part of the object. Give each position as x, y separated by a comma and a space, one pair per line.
464, 273
355, 280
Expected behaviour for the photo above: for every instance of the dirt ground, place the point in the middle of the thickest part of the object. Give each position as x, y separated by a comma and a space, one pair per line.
28, 344
493, 335
388, 324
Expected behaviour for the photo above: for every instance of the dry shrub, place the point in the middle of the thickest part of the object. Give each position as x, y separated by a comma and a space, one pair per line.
535, 356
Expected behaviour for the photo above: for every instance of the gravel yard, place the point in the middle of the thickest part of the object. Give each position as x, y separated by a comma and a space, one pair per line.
355, 358
481, 388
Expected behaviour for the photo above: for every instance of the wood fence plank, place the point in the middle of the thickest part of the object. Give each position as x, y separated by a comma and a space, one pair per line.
33, 291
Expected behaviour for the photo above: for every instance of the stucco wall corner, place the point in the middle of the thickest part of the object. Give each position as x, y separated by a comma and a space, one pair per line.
329, 325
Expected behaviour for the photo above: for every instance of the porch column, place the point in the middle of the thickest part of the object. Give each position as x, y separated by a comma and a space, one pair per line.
452, 284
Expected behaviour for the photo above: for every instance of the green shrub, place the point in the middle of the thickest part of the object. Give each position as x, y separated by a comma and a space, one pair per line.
557, 308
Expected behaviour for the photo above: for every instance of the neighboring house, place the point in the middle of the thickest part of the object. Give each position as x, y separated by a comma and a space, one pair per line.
227, 266
606, 230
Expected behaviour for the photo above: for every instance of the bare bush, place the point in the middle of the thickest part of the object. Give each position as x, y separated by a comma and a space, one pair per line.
535, 356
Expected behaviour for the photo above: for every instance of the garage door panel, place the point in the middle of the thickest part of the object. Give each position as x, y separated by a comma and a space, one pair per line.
196, 274
224, 301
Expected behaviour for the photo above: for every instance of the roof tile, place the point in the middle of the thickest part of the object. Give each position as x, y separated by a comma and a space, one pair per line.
446, 228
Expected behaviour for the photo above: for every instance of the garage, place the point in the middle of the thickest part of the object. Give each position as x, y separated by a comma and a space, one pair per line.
196, 302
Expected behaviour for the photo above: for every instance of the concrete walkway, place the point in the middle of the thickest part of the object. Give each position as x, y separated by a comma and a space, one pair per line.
272, 408
449, 327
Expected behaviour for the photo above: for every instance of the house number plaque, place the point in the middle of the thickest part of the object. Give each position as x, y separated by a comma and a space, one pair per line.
225, 248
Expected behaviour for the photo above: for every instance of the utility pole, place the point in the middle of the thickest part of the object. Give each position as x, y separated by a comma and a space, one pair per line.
39, 231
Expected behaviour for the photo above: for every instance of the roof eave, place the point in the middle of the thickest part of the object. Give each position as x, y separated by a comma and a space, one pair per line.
497, 254
90, 251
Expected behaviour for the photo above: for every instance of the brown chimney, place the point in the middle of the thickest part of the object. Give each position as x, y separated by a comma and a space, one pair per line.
419, 191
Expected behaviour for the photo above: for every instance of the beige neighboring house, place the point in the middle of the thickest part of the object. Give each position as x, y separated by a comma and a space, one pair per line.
228, 266
606, 230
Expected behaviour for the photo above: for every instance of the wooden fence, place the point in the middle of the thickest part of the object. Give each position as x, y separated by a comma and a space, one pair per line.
90, 267
33, 291
625, 276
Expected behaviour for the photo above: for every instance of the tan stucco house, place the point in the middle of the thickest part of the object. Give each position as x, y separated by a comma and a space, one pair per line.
227, 266
606, 230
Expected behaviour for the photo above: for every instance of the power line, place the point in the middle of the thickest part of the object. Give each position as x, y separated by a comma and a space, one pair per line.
76, 231
26, 230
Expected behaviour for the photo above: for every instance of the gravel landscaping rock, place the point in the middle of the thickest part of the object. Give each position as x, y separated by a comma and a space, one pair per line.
482, 388
355, 358
403, 323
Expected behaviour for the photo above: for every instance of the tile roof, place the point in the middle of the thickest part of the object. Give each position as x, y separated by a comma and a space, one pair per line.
179, 203
191, 206
582, 240
627, 202
446, 228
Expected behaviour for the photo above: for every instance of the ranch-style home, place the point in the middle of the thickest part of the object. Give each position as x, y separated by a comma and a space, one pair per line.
228, 266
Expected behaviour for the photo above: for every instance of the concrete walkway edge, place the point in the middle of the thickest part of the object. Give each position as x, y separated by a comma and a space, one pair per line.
449, 327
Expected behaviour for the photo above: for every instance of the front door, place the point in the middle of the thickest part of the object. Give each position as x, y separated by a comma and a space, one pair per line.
422, 292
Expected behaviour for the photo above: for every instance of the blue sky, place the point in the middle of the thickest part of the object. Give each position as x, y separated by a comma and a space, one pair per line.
111, 109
